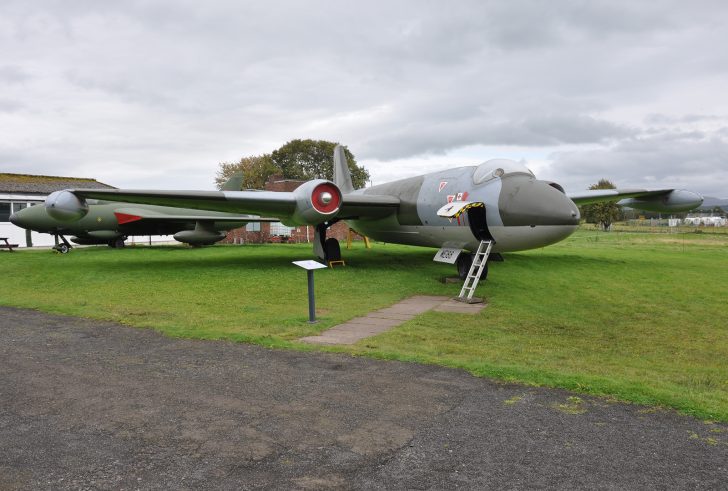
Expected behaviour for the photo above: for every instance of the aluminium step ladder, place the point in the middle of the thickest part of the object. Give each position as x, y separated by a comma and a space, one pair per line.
479, 261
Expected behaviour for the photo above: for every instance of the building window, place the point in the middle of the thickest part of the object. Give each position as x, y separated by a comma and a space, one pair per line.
4, 212
253, 227
277, 228
19, 206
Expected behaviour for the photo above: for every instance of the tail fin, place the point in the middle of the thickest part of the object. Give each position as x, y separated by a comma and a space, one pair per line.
342, 176
235, 183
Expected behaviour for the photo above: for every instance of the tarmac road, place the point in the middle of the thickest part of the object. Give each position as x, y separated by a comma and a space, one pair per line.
87, 405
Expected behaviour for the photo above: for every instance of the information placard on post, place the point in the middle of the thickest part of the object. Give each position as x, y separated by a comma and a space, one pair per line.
310, 266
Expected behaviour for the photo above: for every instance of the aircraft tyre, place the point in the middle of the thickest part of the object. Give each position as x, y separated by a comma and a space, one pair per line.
117, 243
62, 248
463, 263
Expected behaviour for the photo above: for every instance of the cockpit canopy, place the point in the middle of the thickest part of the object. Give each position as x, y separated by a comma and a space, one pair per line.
495, 168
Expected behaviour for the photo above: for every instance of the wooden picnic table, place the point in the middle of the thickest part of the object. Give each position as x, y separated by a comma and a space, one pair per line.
7, 245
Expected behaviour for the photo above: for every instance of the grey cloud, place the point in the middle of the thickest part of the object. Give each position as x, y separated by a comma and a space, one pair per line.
540, 131
9, 106
190, 84
13, 74
666, 119
665, 160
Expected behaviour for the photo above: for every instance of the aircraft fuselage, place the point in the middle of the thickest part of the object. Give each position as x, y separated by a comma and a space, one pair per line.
521, 212
102, 225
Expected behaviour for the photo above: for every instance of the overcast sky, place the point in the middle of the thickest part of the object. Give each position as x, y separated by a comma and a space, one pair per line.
146, 94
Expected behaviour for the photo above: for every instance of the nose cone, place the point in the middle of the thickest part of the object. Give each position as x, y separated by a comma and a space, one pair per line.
33, 218
20, 218
530, 202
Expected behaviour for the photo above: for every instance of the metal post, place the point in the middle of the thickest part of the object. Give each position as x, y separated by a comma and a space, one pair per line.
310, 266
311, 301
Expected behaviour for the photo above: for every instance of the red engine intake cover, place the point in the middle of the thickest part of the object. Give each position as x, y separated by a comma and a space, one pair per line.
318, 198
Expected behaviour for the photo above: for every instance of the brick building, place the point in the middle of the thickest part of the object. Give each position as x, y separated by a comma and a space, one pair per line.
258, 233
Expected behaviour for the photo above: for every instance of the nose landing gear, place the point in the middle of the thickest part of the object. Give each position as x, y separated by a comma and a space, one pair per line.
63, 247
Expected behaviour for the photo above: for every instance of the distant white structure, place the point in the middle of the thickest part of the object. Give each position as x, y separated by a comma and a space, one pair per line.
706, 221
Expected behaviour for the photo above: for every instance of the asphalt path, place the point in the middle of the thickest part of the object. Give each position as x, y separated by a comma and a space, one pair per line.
93, 405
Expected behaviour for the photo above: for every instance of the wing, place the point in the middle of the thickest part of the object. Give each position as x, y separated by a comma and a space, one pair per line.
600, 195
313, 202
661, 200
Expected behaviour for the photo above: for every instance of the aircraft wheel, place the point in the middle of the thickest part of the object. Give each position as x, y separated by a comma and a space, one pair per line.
332, 250
63, 248
119, 243
463, 263
484, 273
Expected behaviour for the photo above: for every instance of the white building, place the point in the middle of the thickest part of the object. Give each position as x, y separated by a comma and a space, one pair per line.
706, 221
18, 191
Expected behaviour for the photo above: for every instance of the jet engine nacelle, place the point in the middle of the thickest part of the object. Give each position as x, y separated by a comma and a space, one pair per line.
673, 202
66, 206
316, 202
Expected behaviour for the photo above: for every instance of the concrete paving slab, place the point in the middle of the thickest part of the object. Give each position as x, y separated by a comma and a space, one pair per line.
423, 299
376, 321
454, 306
405, 309
388, 318
357, 330
399, 317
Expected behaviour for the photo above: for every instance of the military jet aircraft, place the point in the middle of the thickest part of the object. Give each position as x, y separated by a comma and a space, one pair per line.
111, 223
499, 201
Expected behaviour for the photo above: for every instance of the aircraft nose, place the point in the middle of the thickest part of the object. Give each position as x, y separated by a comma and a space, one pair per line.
534, 203
22, 218
16, 218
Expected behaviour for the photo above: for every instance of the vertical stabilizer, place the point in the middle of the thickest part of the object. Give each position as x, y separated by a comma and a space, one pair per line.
342, 176
235, 183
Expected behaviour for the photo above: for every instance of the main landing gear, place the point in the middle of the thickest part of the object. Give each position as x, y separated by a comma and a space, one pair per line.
329, 249
117, 243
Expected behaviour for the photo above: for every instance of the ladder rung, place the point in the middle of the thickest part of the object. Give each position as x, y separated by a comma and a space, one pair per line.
479, 260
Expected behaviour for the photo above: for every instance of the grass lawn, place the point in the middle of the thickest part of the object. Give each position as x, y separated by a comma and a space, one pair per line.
640, 317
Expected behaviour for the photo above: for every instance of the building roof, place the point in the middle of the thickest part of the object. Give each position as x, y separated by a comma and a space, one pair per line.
30, 184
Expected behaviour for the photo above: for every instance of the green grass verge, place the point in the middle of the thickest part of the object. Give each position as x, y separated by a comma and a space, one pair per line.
639, 317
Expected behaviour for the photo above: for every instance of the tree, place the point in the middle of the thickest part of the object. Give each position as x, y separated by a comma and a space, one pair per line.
314, 159
256, 170
603, 214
